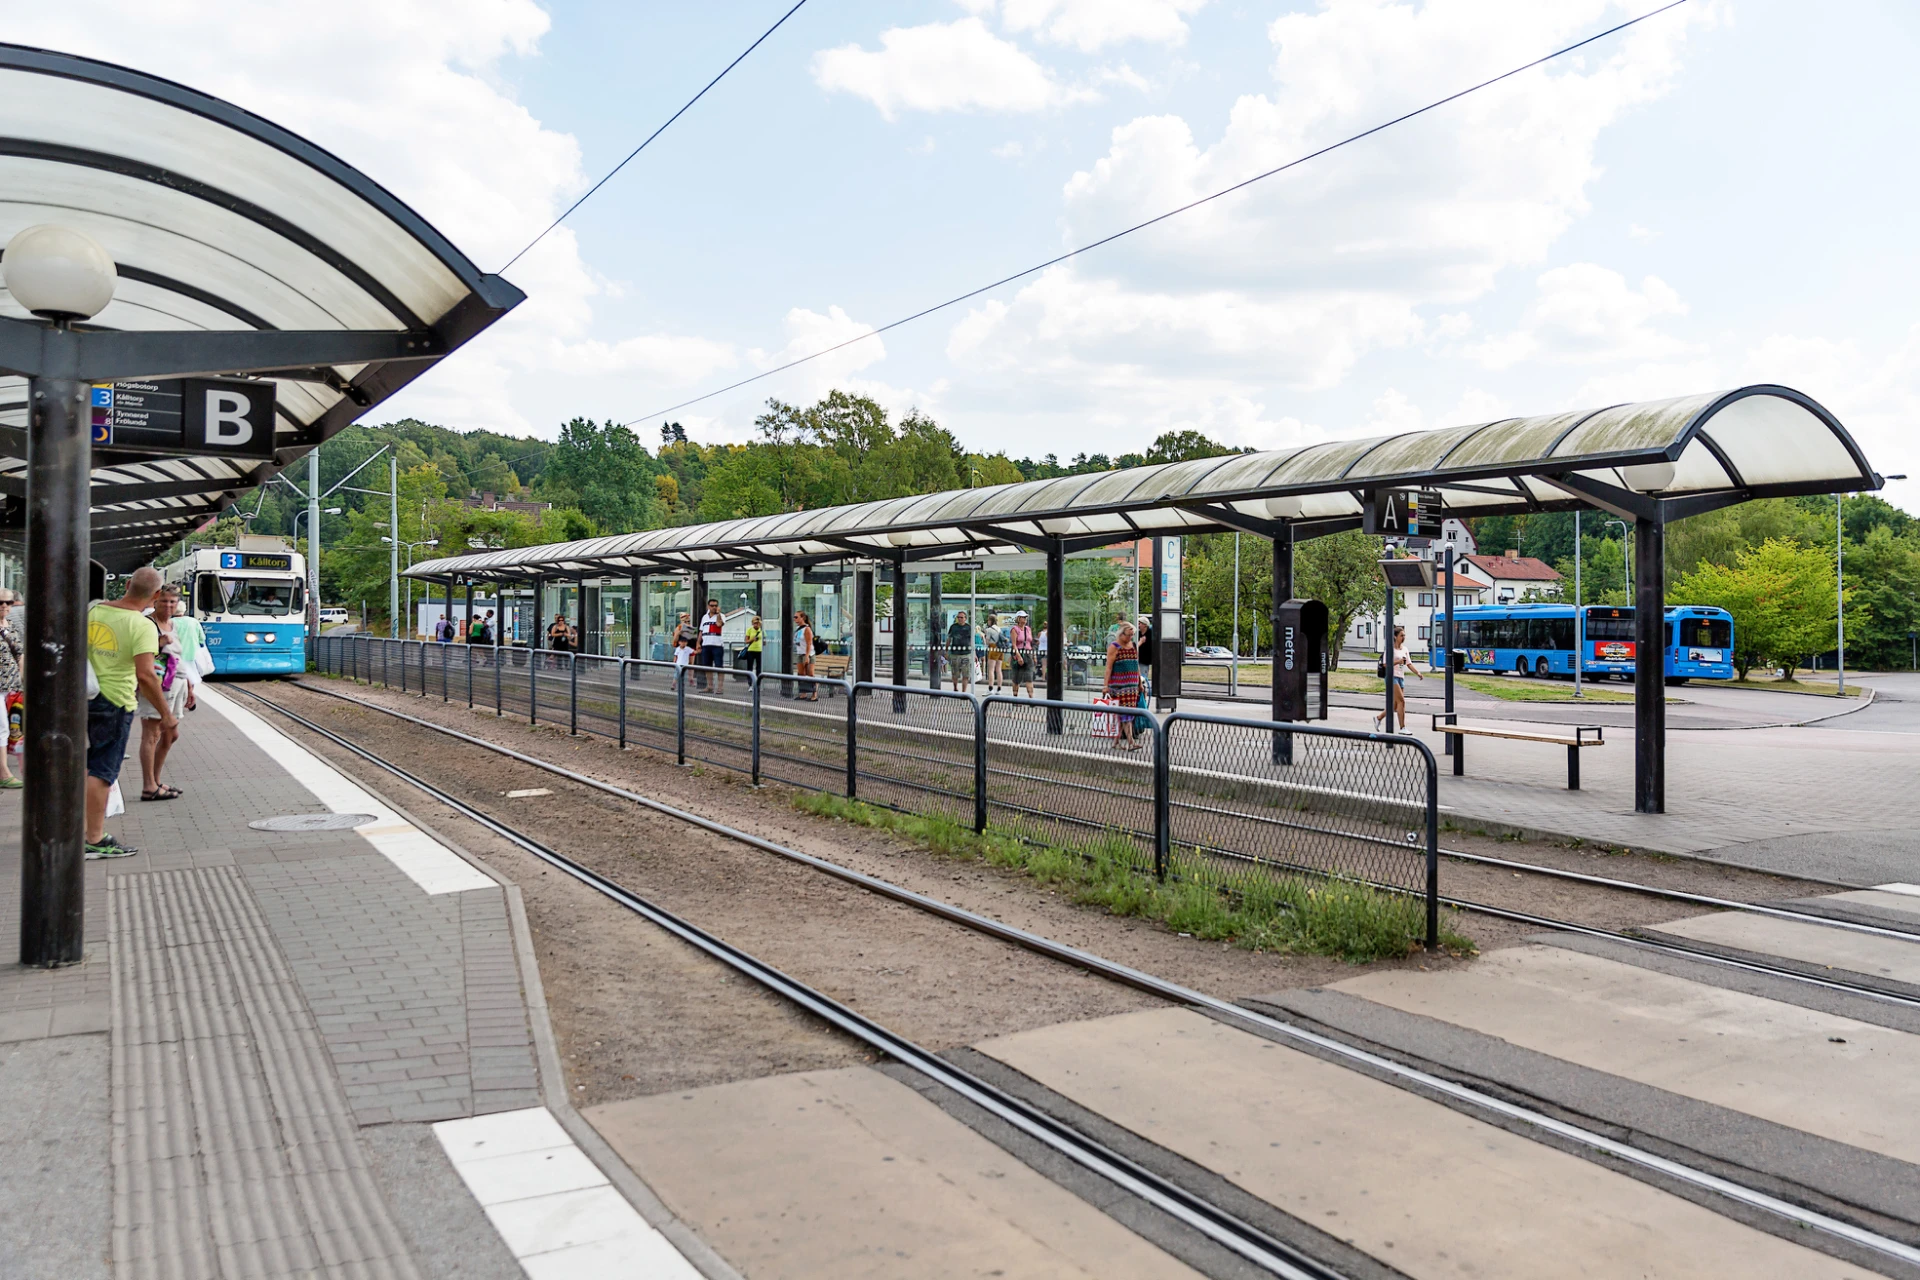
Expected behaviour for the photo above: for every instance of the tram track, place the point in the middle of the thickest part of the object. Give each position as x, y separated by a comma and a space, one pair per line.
1084, 1151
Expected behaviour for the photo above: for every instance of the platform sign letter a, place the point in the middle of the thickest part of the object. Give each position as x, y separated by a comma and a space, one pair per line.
227, 424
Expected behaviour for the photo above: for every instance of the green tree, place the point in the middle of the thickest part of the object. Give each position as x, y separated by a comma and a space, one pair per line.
1782, 599
1342, 571
602, 469
1884, 571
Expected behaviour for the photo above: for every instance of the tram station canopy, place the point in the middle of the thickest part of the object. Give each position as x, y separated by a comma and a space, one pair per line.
219, 223
1659, 460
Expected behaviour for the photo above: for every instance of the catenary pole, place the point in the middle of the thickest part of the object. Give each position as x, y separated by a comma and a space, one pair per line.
1840, 581
313, 555
393, 528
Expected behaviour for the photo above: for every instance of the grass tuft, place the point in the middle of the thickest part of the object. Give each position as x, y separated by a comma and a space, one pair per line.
1293, 915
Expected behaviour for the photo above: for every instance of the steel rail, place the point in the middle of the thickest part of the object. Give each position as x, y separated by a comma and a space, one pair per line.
1760, 1201
1194, 1211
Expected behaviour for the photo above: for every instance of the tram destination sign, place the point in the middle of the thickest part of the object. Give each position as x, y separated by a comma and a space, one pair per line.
184, 416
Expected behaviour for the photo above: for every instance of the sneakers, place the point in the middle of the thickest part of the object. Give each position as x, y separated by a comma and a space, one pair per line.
108, 847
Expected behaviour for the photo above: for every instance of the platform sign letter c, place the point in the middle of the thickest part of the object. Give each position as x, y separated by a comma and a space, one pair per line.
227, 418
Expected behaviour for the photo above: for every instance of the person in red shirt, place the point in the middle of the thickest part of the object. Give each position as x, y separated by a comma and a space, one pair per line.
713, 648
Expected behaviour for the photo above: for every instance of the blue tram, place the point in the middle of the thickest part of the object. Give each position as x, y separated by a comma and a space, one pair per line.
252, 602
1538, 640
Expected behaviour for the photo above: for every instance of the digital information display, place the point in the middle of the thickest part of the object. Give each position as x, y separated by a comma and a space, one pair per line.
255, 560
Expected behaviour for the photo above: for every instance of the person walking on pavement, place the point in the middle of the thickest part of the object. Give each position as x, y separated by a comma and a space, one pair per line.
996, 653
12, 654
1402, 663
171, 665
1020, 644
121, 644
960, 651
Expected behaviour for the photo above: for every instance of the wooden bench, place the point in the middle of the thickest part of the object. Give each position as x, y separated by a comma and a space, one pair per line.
1574, 738
831, 666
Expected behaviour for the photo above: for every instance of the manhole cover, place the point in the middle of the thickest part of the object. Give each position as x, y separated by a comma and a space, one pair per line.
312, 822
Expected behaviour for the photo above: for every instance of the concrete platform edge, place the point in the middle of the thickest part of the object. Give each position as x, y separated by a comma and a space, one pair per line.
553, 1076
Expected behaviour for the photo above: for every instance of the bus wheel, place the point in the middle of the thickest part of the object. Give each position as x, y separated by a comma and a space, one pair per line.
1541, 668
1520, 665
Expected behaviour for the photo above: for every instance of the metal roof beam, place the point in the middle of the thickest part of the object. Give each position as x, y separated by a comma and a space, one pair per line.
1236, 520
37, 351
1624, 503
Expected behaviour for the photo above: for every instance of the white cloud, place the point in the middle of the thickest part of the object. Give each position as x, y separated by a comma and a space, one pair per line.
1637, 232
420, 109
1091, 25
942, 66
1294, 281
1013, 150
1588, 314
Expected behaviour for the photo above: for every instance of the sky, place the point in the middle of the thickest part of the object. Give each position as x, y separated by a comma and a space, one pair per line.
1721, 195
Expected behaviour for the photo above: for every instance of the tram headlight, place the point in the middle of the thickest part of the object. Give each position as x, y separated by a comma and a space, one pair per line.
271, 637
253, 637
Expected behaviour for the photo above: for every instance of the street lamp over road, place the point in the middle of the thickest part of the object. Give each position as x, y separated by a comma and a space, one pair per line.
430, 542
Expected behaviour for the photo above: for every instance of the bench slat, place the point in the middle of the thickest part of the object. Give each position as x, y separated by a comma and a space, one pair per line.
1520, 735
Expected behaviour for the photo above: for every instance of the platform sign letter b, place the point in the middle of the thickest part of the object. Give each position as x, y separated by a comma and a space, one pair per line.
229, 416
227, 425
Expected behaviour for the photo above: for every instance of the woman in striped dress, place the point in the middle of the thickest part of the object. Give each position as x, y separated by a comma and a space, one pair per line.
1123, 683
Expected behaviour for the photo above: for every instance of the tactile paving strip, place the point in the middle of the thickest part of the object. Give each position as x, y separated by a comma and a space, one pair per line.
234, 1151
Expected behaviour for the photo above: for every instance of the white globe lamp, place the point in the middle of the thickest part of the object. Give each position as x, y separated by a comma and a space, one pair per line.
1287, 508
58, 273
1648, 477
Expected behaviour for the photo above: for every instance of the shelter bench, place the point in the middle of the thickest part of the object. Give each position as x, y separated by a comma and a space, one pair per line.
831, 666
1574, 738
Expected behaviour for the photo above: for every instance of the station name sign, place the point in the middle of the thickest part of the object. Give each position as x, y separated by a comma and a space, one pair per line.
184, 416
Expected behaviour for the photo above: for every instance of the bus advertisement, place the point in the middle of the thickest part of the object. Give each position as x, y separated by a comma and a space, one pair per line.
1538, 640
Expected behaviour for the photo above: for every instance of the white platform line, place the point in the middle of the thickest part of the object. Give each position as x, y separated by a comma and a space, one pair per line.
424, 860
556, 1212
1911, 890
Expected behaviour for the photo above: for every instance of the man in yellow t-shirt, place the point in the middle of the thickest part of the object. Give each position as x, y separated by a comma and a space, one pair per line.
121, 644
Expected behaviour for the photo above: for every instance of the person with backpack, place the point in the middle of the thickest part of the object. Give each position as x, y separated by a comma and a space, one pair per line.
960, 651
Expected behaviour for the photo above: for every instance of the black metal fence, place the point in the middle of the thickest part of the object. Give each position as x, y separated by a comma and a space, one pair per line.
1221, 801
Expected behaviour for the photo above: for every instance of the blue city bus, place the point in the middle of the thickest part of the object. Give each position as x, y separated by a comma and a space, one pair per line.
251, 600
1537, 640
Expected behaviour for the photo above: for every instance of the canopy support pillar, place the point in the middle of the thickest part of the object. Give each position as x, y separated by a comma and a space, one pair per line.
936, 629
1056, 632
538, 639
636, 615
900, 630
54, 803
788, 631
467, 630
863, 625
1649, 666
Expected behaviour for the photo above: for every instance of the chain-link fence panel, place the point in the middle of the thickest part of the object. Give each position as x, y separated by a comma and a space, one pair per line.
516, 677
652, 705
1257, 800
718, 727
552, 675
1071, 773
598, 694
915, 750
435, 661
803, 731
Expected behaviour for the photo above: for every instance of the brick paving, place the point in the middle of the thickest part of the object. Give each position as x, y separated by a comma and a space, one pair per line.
262, 998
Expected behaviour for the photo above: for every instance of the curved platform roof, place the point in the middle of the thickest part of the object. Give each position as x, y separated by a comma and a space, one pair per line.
1726, 447
219, 221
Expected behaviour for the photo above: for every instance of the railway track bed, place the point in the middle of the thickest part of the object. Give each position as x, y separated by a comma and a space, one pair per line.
1390, 1096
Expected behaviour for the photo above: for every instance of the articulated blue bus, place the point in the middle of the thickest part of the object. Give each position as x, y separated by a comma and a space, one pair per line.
1537, 639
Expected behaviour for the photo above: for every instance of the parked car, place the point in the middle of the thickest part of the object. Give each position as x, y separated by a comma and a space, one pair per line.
1216, 651
332, 616
1194, 654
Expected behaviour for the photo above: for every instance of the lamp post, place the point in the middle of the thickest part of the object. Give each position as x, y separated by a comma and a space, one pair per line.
60, 276
1626, 561
410, 546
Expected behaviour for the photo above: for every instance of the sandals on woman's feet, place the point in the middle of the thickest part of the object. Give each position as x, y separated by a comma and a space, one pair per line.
162, 793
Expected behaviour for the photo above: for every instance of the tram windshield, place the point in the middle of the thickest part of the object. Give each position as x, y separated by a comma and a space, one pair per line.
252, 597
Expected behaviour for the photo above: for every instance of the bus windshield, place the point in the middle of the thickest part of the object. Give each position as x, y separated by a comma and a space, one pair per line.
260, 597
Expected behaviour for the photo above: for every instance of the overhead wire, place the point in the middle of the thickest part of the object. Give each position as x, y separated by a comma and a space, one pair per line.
650, 137
1158, 218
